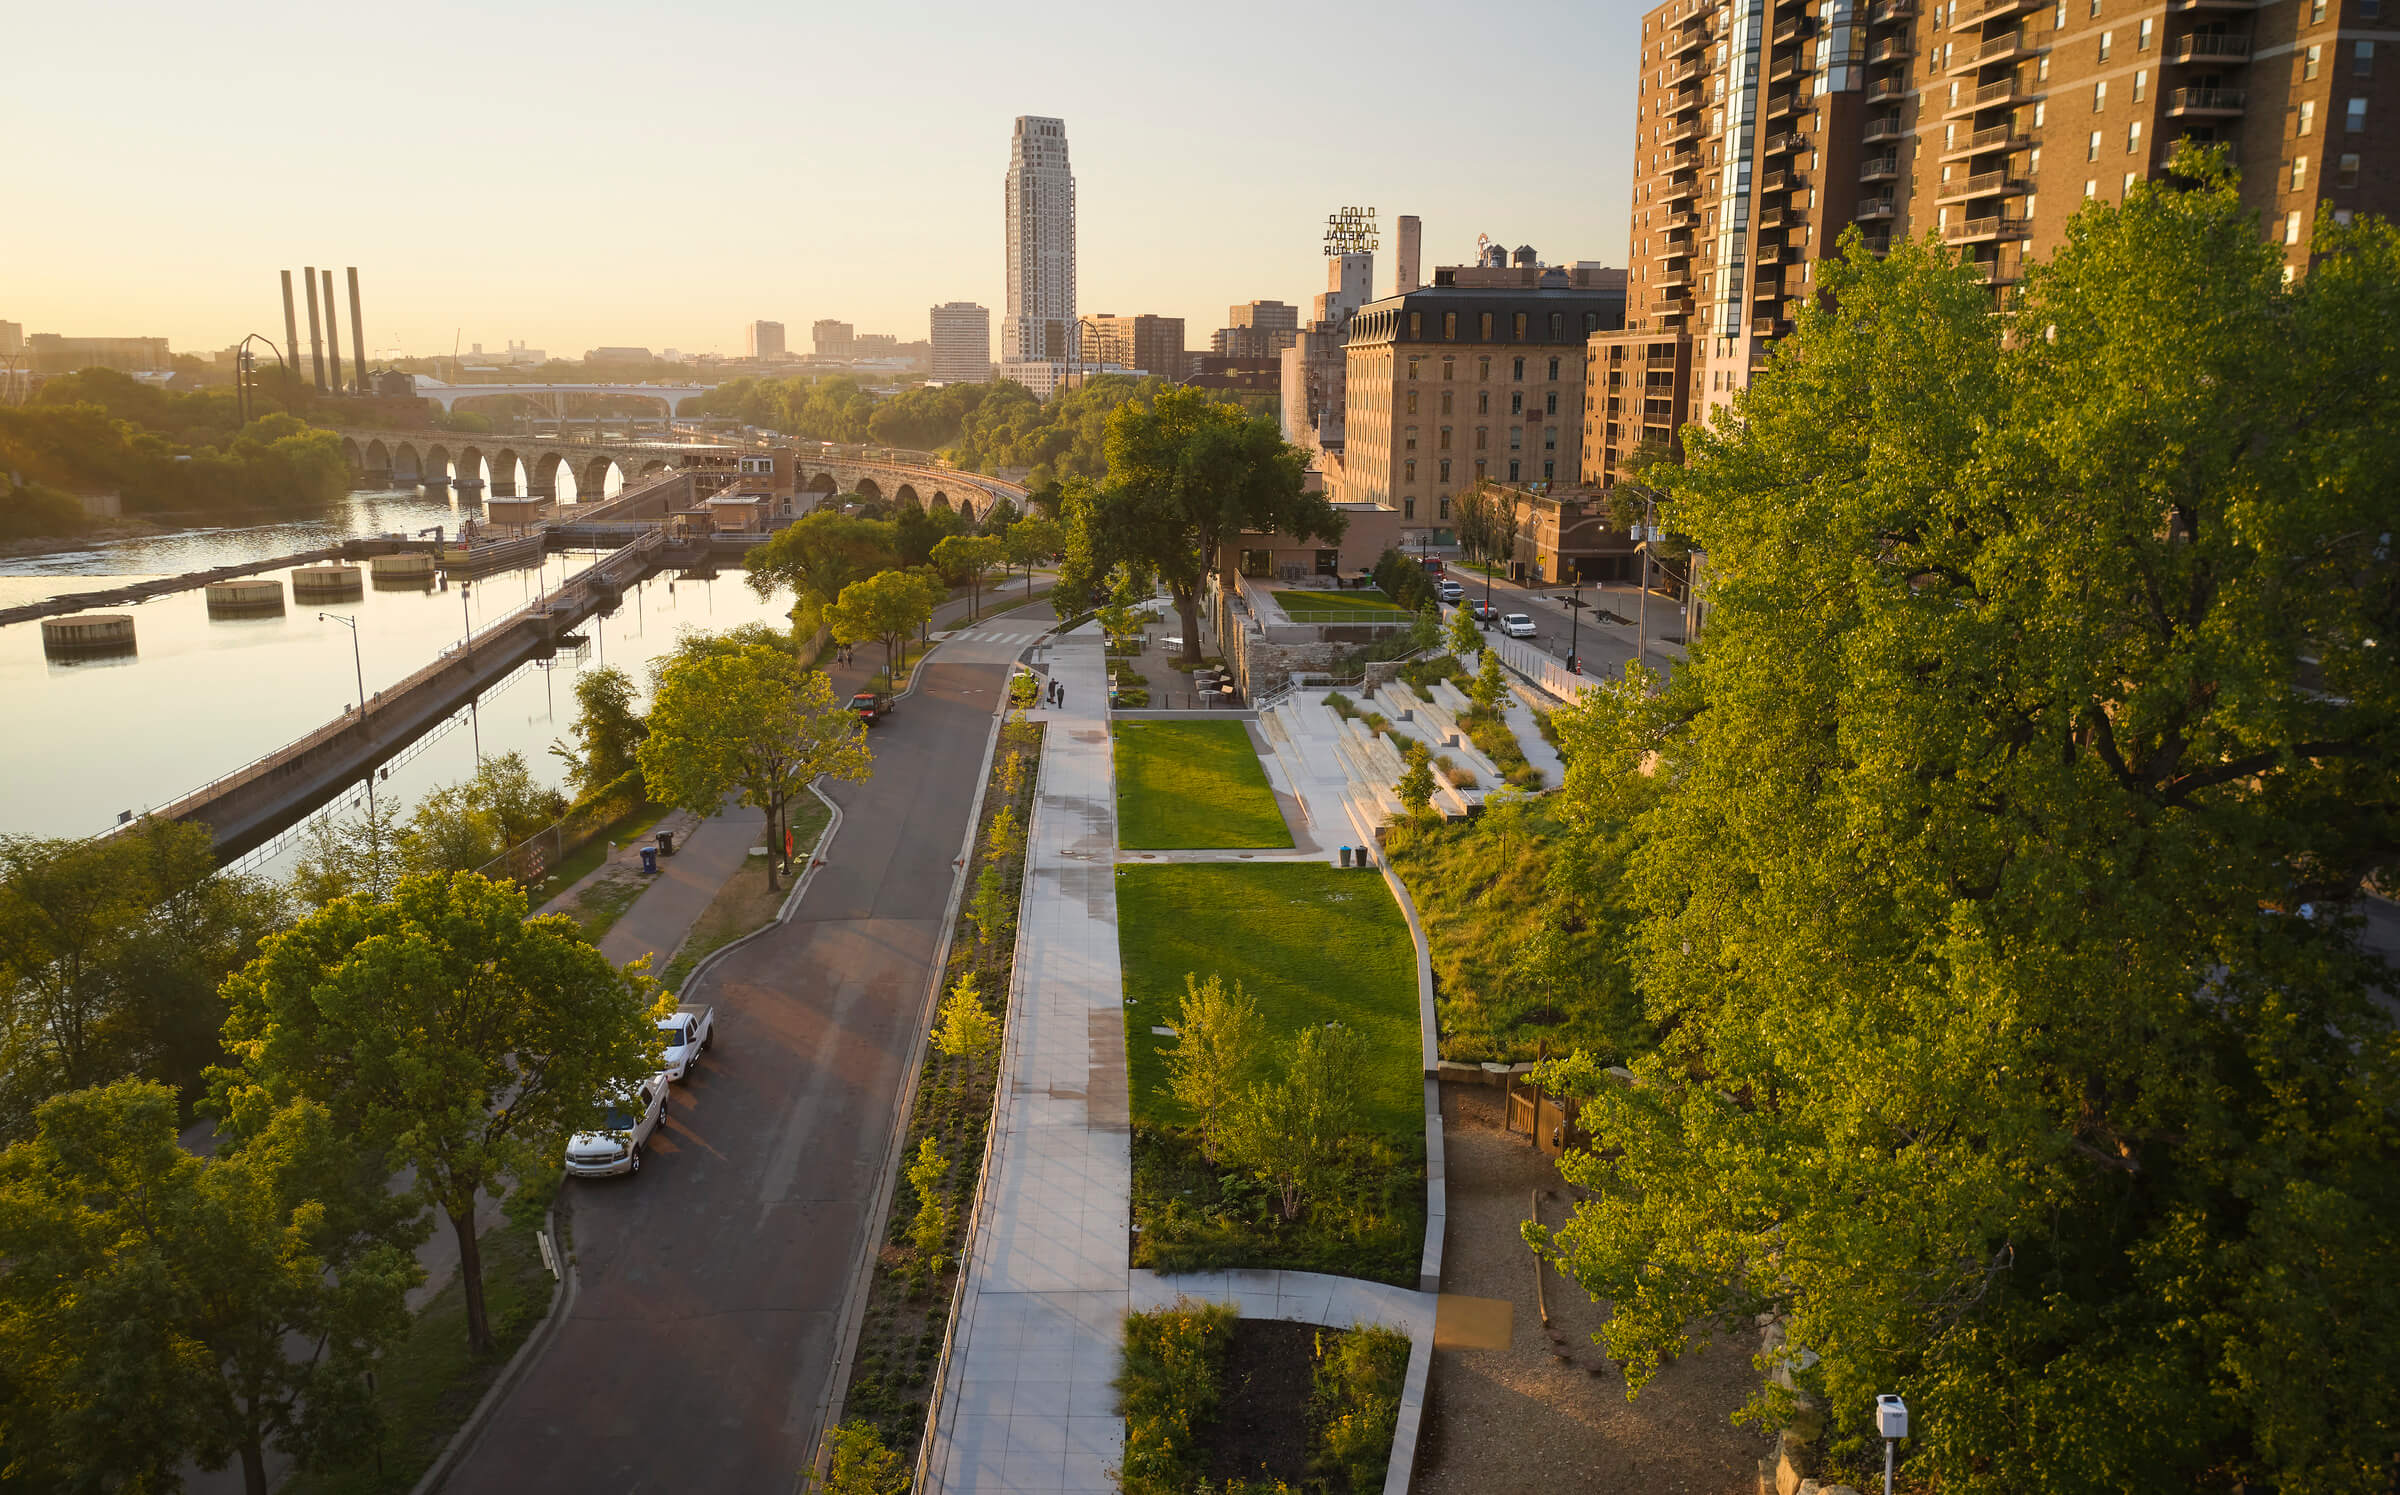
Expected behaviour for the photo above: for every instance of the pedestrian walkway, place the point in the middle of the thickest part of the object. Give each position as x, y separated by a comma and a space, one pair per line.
656, 922
1026, 1404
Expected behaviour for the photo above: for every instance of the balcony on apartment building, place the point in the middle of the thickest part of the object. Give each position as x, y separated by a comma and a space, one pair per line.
2187, 103
1891, 12
1892, 49
1990, 138
1676, 222
1782, 181
2005, 94
2008, 46
1780, 104
1877, 245
1992, 272
1683, 189
1686, 102
1695, 35
1687, 130
2186, 7
1968, 16
1791, 30
1776, 216
1879, 168
1689, 72
1887, 90
1769, 327
1783, 144
1784, 67
1987, 230
1981, 184
2202, 46
1887, 127
1875, 209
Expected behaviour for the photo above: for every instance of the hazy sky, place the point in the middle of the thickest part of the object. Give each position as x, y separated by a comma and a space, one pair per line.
658, 175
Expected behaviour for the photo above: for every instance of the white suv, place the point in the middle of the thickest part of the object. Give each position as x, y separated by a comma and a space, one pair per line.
1516, 625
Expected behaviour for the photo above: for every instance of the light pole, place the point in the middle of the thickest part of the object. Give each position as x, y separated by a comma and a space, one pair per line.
1649, 534
1575, 626
467, 652
355, 662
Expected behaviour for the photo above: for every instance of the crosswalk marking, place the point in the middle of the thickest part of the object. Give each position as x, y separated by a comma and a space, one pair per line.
1004, 636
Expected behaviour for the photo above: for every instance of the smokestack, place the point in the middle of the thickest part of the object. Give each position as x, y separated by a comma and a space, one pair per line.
333, 334
358, 336
316, 337
1404, 269
291, 329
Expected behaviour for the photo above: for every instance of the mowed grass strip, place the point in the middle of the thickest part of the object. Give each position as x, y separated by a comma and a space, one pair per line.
1312, 944
1370, 604
1191, 786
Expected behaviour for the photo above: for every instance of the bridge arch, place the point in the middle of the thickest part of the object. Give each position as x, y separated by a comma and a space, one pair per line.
823, 482
435, 466
469, 466
866, 489
655, 464
592, 482
352, 455
504, 472
906, 493
378, 457
543, 470
408, 466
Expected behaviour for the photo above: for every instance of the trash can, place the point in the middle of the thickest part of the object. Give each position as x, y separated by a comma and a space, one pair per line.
649, 860
1345, 856
666, 843
1365, 858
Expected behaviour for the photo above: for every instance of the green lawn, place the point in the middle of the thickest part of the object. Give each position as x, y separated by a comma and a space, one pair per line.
1185, 786
1370, 605
1311, 943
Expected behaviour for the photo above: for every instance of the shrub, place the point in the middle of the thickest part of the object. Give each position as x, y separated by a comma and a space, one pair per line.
1356, 1403
929, 1232
860, 1464
1167, 1392
968, 1029
1341, 705
1294, 1133
1216, 1053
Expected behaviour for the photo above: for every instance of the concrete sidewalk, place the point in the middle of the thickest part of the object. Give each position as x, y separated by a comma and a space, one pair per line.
656, 922
1027, 1405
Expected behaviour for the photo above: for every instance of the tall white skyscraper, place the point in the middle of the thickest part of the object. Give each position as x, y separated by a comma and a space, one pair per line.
1039, 323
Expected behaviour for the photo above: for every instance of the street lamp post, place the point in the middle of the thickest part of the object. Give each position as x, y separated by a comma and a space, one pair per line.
359, 668
1575, 627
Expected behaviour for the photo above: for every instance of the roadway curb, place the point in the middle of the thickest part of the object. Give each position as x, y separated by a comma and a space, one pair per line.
562, 1303
862, 1274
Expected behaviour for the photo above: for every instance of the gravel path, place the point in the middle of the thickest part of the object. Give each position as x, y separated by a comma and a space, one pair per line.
1553, 1415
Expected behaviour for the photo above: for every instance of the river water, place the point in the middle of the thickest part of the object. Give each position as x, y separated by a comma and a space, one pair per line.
202, 695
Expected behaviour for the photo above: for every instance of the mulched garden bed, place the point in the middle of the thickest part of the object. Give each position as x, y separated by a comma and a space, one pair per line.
1261, 1431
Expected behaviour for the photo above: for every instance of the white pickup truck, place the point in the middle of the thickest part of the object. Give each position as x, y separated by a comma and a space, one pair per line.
688, 1031
626, 1123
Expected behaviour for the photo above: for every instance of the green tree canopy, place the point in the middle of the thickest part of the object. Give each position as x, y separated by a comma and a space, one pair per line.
159, 1307
751, 720
818, 555
1031, 541
1187, 473
607, 730
968, 558
1997, 893
884, 608
461, 827
444, 1026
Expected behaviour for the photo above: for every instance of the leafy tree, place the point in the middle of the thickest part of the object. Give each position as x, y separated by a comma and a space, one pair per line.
1997, 893
460, 827
1294, 1132
883, 608
110, 954
1000, 516
1029, 542
818, 555
1219, 1038
752, 720
1415, 787
346, 855
607, 729
968, 558
917, 530
1427, 630
446, 1027
154, 1298
858, 1463
1186, 474
967, 1029
1466, 639
1491, 686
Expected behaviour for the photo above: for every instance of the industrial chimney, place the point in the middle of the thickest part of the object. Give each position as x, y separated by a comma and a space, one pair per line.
316, 335
291, 327
358, 336
333, 334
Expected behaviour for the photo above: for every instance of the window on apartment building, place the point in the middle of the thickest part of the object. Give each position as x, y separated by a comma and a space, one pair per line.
2133, 138
1444, 512
2123, 188
1549, 472
2058, 17
2308, 119
2362, 59
2370, 10
1516, 438
1517, 370
1483, 402
2299, 172
1483, 328
2142, 42
1412, 363
2354, 119
1412, 402
1412, 439
1513, 473
1553, 368
1449, 369
1517, 324
1558, 328
1449, 326
2345, 172
2308, 65
2291, 227
2316, 11
1445, 438
2095, 7
2038, 107
1550, 403
2108, 43
1408, 470
1549, 438
1416, 324
2091, 151
1408, 508
2099, 96
1591, 323
2091, 188
1516, 402
2141, 91
1480, 465
1483, 438
1445, 469
1483, 369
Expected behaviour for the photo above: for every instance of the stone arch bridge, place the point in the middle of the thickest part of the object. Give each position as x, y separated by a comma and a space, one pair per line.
530, 465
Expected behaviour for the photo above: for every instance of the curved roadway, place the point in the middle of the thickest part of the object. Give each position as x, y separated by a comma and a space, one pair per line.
702, 1334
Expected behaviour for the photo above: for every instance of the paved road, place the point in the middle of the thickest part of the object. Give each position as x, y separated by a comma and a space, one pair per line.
1605, 647
703, 1334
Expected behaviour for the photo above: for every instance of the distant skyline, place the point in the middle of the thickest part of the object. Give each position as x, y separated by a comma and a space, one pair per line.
638, 176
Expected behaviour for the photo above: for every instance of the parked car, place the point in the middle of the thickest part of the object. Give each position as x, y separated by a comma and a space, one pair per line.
1431, 563
1485, 613
871, 706
1451, 591
627, 1123
691, 1030
1517, 625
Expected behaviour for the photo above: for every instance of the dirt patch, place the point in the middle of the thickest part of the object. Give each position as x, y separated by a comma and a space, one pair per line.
1550, 1410
1261, 1428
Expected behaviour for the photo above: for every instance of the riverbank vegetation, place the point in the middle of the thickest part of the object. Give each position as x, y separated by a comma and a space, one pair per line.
1996, 865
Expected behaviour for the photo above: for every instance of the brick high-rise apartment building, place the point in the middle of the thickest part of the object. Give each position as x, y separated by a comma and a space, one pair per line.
1765, 127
